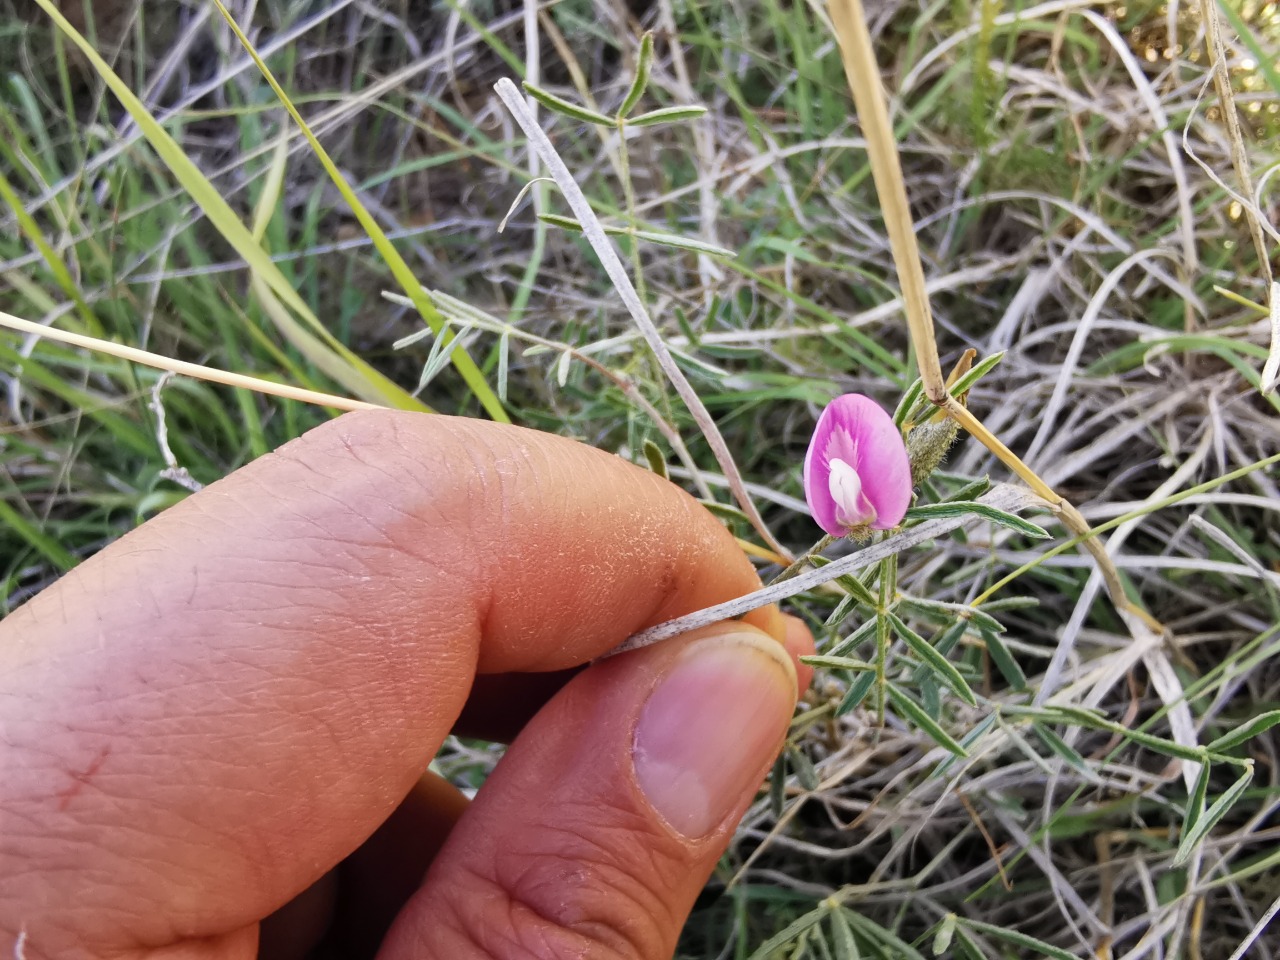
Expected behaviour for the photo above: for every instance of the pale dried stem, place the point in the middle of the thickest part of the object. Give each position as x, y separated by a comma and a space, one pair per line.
1239, 157
869, 99
195, 370
609, 259
1002, 497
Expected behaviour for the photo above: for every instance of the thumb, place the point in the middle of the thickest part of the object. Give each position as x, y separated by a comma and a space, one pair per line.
599, 827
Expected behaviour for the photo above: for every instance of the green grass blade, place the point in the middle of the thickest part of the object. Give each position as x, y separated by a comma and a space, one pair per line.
271, 190
373, 386
61, 273
466, 367
42, 543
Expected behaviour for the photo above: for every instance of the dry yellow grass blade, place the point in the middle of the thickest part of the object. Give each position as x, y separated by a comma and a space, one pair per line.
863, 74
182, 367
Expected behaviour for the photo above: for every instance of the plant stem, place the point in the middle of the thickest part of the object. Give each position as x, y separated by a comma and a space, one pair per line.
888, 589
803, 561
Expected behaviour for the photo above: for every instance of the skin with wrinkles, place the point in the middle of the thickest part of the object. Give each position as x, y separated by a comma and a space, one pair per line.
201, 721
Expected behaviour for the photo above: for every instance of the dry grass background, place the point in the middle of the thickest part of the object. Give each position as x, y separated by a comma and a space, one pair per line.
1076, 189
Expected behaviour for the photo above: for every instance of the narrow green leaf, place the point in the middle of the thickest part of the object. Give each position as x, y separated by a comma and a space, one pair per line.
1064, 750
946, 612
1049, 714
778, 786
803, 767
644, 60
684, 243
1004, 660
968, 740
565, 108
1195, 802
1085, 716
971, 491
788, 933
893, 945
562, 368
853, 640
966, 949
851, 584
1246, 731
1093, 721
943, 667
836, 663
976, 373
61, 273
666, 115
915, 713
908, 401
1018, 939
567, 223
935, 511
1010, 603
930, 692
842, 938
1192, 837
441, 351
657, 462
842, 610
946, 931
856, 693
724, 511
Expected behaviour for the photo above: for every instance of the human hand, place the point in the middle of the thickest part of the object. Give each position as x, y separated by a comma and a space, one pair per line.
200, 723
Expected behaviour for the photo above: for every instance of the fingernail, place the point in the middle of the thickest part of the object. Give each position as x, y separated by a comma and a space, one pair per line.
710, 729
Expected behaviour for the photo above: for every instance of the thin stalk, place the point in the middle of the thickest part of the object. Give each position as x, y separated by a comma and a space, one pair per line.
211, 374
612, 264
629, 201
803, 561
888, 588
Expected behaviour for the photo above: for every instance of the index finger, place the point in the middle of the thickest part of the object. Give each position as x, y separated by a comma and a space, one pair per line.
227, 701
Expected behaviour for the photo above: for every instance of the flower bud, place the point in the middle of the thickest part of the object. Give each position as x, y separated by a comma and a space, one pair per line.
927, 446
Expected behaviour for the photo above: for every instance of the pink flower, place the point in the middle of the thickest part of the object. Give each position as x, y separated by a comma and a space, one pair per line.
856, 473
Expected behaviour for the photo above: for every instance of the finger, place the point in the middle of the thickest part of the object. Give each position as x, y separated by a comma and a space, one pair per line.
798, 641
222, 705
501, 704
604, 819
348, 911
